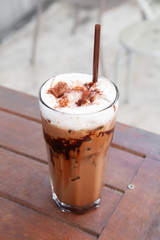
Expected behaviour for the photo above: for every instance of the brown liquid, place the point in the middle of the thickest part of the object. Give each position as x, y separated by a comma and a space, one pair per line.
77, 161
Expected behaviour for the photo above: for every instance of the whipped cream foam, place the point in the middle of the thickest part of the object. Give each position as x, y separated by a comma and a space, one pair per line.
75, 113
105, 96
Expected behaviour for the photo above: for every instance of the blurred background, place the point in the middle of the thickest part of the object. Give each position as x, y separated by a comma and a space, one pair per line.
42, 38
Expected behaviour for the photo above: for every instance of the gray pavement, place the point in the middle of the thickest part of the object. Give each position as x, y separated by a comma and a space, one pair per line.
60, 51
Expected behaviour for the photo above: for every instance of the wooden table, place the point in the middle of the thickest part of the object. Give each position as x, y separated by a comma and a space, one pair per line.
26, 208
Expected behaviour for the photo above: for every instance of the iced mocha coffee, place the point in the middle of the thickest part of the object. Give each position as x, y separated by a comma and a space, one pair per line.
78, 118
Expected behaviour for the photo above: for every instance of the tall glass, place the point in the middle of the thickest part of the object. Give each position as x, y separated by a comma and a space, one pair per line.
77, 157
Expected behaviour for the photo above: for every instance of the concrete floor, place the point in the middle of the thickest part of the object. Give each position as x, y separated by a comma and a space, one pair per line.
59, 51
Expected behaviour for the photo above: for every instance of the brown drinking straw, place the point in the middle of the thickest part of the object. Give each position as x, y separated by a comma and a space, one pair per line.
96, 52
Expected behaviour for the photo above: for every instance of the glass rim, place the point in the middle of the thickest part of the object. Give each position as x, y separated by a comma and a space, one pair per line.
67, 113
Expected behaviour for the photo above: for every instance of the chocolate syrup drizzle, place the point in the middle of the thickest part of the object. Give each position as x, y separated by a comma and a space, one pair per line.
64, 146
106, 132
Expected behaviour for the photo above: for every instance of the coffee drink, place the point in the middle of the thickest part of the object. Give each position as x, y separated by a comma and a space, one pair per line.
78, 119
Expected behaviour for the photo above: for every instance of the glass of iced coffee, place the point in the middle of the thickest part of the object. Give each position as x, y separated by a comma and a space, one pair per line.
78, 119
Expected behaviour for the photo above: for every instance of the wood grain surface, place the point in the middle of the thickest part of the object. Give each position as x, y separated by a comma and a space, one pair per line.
27, 209
138, 214
17, 222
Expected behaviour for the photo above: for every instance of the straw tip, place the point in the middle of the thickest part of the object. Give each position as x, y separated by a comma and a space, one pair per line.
97, 26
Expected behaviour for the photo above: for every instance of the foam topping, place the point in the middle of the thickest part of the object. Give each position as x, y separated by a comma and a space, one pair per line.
76, 93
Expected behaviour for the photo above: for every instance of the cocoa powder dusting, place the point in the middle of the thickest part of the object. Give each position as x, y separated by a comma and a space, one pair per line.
80, 102
63, 102
89, 85
88, 92
58, 90
88, 96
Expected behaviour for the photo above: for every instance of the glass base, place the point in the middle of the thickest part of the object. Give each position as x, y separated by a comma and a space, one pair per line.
78, 210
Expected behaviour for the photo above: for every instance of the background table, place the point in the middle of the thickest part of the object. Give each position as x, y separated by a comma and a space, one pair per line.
26, 208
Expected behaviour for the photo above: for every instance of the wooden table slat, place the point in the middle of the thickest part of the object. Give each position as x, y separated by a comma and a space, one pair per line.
137, 140
138, 214
121, 168
22, 135
19, 103
18, 222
